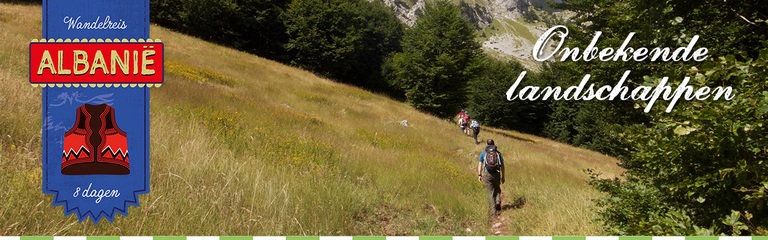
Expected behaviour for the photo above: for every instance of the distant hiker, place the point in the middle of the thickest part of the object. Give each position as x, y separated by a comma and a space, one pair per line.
490, 170
463, 120
475, 126
466, 120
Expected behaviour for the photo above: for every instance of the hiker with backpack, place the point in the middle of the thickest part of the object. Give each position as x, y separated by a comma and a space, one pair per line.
463, 120
490, 171
475, 126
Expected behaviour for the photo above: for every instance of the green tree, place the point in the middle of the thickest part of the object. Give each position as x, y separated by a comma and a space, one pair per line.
170, 13
346, 40
705, 165
487, 100
721, 26
438, 60
248, 25
700, 169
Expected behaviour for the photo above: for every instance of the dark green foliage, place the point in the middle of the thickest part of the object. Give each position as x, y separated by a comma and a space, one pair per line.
487, 102
590, 124
38, 2
170, 13
342, 39
594, 124
700, 169
706, 162
249, 25
438, 59
656, 23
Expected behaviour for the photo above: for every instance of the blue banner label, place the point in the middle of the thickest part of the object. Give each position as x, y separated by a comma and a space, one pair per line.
95, 139
96, 149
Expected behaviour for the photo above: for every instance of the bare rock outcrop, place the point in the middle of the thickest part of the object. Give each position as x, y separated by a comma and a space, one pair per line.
511, 37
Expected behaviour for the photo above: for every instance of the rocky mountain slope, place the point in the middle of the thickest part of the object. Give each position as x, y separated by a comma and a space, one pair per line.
507, 28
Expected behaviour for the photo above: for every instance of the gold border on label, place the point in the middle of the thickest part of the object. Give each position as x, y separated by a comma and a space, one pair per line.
99, 85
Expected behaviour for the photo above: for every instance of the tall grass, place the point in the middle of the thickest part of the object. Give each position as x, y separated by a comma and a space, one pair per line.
245, 146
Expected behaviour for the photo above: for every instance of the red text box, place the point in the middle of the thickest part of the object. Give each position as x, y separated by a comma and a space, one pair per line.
94, 63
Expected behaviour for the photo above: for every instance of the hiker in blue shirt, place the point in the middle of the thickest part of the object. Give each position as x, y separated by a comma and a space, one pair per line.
490, 170
475, 126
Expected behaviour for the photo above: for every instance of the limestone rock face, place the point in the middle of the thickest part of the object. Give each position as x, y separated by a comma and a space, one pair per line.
500, 22
480, 12
405, 12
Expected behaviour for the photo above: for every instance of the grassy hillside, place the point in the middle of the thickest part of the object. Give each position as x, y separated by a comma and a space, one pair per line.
246, 146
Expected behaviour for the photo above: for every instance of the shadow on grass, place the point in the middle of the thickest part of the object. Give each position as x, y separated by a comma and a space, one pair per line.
518, 203
509, 135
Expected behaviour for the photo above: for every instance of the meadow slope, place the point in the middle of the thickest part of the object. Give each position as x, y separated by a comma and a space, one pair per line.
246, 146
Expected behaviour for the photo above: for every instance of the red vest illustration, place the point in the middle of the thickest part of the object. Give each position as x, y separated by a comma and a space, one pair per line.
95, 144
